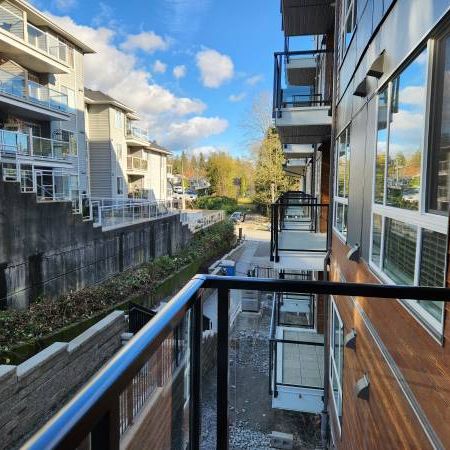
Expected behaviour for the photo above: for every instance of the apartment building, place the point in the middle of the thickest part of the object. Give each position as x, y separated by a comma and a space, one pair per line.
42, 135
123, 161
387, 361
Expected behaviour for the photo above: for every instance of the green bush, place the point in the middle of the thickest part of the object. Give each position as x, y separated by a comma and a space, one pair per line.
226, 204
47, 316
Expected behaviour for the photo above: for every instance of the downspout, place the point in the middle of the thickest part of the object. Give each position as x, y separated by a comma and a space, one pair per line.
325, 425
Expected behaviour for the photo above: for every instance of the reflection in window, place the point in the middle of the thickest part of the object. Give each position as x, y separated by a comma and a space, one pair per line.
432, 268
340, 222
406, 126
400, 251
341, 166
376, 238
380, 163
440, 156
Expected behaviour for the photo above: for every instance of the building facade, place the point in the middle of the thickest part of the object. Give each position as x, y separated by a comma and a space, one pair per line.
386, 181
42, 135
123, 161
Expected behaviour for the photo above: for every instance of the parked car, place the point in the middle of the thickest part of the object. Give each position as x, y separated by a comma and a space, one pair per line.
178, 189
237, 216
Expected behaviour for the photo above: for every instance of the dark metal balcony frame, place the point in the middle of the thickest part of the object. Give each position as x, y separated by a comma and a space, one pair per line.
278, 214
314, 99
95, 409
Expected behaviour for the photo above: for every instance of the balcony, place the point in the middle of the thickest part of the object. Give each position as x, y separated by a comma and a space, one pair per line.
301, 113
15, 145
295, 166
121, 406
299, 238
136, 165
304, 18
296, 354
293, 151
137, 137
30, 46
30, 99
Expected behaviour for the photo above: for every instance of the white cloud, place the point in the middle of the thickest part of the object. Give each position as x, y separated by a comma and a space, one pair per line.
413, 95
179, 71
159, 66
191, 131
123, 78
64, 5
148, 41
215, 68
237, 97
206, 150
252, 81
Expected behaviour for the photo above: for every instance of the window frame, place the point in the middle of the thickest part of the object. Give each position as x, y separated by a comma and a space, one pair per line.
338, 199
120, 183
333, 367
66, 90
346, 11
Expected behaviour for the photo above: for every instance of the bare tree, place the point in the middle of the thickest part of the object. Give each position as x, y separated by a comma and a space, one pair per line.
258, 119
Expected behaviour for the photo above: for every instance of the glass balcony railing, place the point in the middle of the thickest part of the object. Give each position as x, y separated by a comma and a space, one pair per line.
134, 163
13, 143
160, 372
49, 44
296, 217
34, 92
138, 133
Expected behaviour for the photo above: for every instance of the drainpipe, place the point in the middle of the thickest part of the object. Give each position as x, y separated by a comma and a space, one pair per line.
325, 426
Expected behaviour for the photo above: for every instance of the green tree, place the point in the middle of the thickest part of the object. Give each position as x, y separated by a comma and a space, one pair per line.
270, 178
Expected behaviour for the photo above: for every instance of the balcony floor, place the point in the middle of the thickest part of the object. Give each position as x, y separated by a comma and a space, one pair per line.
301, 364
302, 240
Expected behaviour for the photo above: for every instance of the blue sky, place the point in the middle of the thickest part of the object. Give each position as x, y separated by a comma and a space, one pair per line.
223, 50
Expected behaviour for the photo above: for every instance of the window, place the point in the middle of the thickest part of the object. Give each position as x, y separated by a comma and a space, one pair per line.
342, 182
119, 186
119, 152
71, 103
439, 175
118, 119
336, 359
348, 24
408, 246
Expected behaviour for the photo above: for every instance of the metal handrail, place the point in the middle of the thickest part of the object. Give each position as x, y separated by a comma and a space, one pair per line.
95, 409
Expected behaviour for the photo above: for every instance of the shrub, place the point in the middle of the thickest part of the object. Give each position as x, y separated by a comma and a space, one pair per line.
226, 204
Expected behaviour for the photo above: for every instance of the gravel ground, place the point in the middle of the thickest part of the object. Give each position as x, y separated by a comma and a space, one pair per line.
252, 418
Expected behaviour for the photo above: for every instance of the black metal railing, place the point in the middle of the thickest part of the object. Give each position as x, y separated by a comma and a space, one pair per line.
93, 415
286, 95
138, 317
298, 212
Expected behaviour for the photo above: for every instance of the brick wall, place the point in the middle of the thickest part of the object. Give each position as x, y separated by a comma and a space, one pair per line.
33, 391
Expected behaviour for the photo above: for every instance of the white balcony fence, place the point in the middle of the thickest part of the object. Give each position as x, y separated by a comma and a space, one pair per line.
128, 212
13, 144
198, 220
134, 163
139, 133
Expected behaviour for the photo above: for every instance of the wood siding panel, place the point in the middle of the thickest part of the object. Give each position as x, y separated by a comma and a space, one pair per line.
424, 363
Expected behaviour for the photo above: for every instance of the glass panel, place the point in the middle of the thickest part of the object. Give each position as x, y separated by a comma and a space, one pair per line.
432, 268
376, 238
347, 162
341, 166
380, 163
399, 251
407, 120
439, 173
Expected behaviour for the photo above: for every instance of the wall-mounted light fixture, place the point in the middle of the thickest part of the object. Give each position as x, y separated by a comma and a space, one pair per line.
354, 253
350, 339
362, 387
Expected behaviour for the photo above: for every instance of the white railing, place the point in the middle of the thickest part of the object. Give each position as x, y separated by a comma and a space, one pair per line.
198, 220
128, 212
138, 133
49, 44
13, 143
135, 163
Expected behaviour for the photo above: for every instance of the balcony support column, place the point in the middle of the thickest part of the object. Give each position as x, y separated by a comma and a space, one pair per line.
223, 309
195, 413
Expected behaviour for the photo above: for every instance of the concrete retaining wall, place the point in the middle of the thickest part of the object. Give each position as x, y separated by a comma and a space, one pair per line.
33, 391
47, 251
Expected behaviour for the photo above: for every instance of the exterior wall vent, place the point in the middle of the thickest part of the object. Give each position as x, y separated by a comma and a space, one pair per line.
361, 89
362, 387
350, 340
377, 68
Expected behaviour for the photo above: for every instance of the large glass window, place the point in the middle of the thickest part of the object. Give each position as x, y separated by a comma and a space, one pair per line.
400, 251
380, 162
336, 358
406, 129
376, 238
348, 24
439, 175
342, 181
